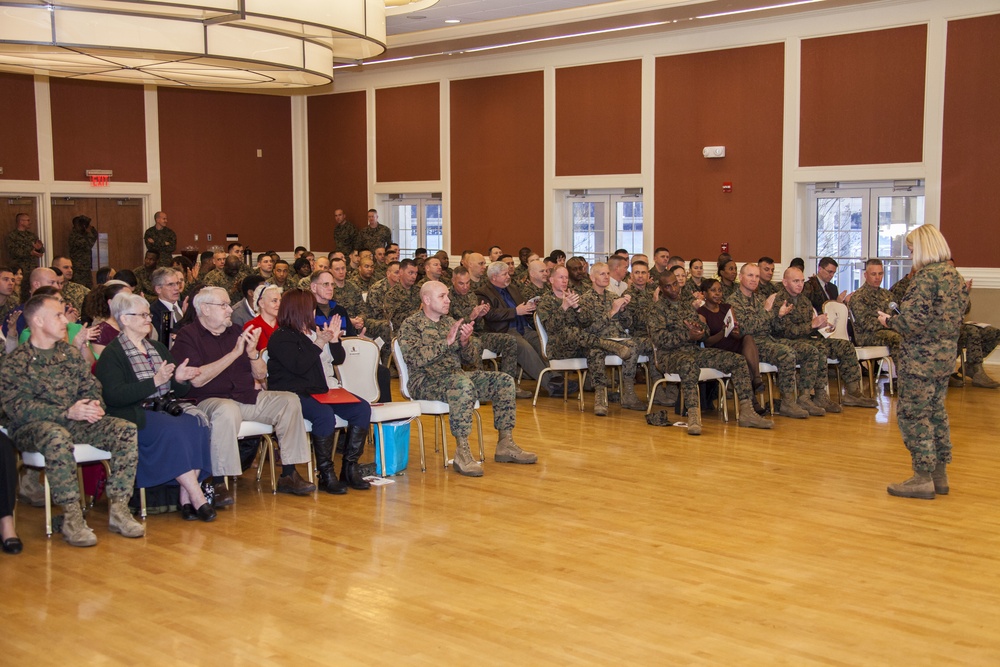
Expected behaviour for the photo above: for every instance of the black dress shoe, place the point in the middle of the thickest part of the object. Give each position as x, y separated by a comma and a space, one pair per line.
12, 546
206, 513
188, 512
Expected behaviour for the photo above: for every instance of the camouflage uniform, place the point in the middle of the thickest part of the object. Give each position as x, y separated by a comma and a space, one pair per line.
680, 355
289, 284
400, 303
501, 344
642, 304
728, 290
219, 278
380, 271
899, 289
364, 285
144, 283
75, 294
376, 320
865, 304
349, 296
436, 374
39, 387
581, 287
785, 354
80, 245
345, 236
978, 342
163, 241
595, 317
529, 290
797, 325
766, 289
20, 245
687, 292
930, 318
369, 238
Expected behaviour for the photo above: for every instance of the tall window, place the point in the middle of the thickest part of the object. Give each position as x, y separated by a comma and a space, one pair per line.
602, 223
857, 223
416, 222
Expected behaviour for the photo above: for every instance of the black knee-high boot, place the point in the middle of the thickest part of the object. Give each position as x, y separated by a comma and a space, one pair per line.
350, 472
324, 465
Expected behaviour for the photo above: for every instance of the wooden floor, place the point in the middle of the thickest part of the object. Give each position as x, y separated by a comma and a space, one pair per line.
625, 545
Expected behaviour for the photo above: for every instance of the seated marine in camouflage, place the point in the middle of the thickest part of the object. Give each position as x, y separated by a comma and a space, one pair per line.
865, 304
802, 323
53, 401
435, 347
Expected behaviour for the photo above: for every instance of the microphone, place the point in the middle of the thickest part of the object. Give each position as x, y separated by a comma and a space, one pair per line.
894, 307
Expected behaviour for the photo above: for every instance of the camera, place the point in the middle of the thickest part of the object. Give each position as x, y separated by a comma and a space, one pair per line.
166, 403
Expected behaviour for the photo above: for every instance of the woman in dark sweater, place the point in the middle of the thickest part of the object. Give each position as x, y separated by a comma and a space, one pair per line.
135, 372
301, 357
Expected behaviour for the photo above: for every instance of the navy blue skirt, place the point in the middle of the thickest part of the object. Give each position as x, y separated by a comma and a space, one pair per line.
170, 446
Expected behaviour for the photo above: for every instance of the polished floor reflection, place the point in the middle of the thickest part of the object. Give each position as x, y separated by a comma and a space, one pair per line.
626, 544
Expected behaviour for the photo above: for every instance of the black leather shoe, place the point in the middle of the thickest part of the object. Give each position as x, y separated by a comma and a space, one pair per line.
188, 512
12, 546
223, 496
206, 513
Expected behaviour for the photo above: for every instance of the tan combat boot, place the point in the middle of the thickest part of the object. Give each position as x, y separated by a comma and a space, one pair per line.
823, 400
981, 379
30, 489
940, 478
74, 529
509, 452
855, 399
464, 464
629, 400
601, 401
120, 520
921, 485
807, 404
750, 419
791, 409
694, 421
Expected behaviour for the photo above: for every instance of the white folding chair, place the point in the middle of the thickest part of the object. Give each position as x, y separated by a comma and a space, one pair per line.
82, 454
867, 354
491, 356
358, 375
437, 409
706, 375
564, 366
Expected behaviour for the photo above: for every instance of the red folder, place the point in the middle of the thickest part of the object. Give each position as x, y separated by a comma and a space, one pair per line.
335, 396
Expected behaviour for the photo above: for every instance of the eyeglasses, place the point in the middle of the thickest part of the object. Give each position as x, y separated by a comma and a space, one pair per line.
145, 316
215, 303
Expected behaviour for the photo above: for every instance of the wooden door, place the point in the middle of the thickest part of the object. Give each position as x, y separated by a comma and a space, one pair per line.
9, 208
119, 224
122, 220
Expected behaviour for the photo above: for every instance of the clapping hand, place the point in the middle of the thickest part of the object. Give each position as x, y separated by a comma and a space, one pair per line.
769, 302
465, 333
163, 373
479, 311
695, 330
571, 300
820, 321
453, 332
184, 373
86, 410
785, 308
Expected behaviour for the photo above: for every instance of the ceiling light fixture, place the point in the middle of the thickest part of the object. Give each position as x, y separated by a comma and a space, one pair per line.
205, 43
757, 9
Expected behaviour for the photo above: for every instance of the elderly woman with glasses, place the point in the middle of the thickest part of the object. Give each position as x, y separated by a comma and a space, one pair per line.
266, 301
136, 375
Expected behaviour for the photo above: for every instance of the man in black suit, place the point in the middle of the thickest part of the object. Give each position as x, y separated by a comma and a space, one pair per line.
166, 311
819, 289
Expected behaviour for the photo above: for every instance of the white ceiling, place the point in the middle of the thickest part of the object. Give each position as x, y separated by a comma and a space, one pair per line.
474, 11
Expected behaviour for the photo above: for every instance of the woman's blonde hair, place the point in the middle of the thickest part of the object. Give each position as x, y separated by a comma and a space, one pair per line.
928, 246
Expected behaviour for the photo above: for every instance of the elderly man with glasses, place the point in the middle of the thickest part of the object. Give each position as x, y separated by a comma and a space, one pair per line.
230, 362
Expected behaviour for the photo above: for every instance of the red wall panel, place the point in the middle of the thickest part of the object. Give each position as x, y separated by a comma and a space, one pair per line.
338, 163
971, 145
497, 162
598, 119
18, 131
408, 133
212, 180
862, 97
97, 125
731, 98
